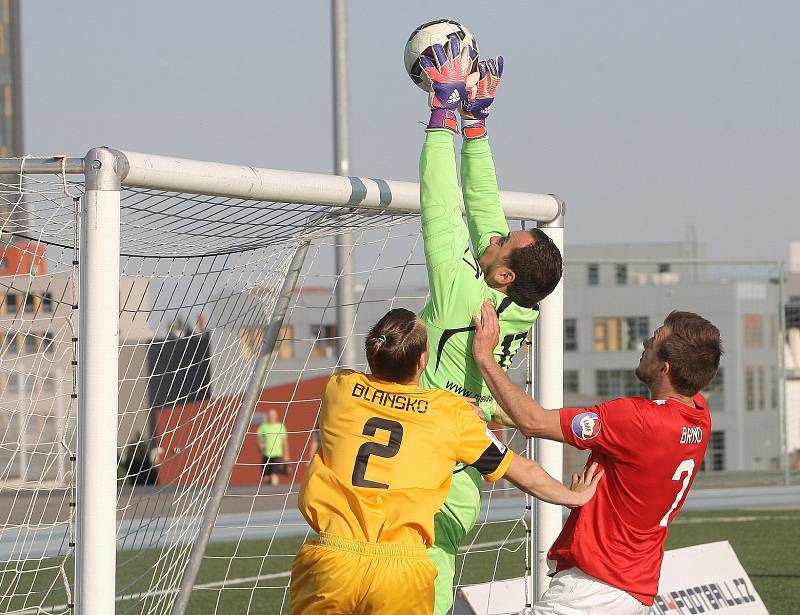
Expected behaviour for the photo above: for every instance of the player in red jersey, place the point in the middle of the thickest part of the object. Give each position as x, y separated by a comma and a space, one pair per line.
608, 555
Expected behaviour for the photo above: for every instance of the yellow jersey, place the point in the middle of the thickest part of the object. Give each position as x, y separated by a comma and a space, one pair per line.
386, 458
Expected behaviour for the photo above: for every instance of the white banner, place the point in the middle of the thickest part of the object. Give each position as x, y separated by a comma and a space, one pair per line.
705, 579
694, 581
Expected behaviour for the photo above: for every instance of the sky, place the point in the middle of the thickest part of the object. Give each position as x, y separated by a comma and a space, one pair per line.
646, 117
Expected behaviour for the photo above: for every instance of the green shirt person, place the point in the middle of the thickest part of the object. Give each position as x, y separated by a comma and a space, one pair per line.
273, 442
513, 270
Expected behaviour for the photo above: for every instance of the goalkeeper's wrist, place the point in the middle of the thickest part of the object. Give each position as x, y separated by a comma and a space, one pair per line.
473, 128
443, 118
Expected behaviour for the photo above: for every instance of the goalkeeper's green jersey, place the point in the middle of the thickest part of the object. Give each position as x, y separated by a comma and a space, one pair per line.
457, 287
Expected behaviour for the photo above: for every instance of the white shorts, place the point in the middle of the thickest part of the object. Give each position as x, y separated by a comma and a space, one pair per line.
573, 592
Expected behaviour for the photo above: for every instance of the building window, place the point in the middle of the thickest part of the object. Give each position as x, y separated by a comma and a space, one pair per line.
760, 388
749, 388
715, 455
571, 381
621, 274
753, 331
617, 334
252, 337
325, 341
30, 304
570, 334
593, 274
715, 391
612, 383
10, 344
793, 312
286, 342
664, 267
31, 343
11, 303
47, 302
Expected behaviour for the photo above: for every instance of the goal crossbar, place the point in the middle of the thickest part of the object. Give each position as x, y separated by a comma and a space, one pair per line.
137, 170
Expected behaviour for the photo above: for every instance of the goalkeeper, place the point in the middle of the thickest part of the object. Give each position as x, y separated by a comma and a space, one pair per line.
513, 270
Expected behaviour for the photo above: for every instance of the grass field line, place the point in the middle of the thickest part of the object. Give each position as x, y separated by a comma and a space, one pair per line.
239, 581
160, 592
464, 549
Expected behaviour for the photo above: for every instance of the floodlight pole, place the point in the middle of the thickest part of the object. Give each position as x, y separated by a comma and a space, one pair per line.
345, 314
548, 389
98, 359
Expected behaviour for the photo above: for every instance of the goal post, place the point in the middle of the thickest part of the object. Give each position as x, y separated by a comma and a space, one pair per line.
548, 389
98, 400
127, 197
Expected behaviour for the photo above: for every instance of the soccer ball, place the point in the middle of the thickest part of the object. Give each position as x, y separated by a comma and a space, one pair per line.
428, 34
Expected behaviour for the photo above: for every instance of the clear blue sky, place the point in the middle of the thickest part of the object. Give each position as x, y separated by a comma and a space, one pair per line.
644, 116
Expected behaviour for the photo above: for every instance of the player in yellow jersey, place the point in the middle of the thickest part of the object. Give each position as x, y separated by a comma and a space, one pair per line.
383, 469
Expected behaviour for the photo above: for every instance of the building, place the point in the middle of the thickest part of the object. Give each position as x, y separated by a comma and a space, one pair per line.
38, 355
616, 295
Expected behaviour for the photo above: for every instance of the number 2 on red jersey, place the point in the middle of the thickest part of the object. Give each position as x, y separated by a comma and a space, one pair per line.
685, 467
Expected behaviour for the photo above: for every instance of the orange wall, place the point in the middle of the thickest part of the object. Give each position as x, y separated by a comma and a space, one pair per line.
192, 436
22, 257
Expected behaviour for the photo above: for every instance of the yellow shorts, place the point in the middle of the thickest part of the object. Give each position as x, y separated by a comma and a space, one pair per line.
341, 575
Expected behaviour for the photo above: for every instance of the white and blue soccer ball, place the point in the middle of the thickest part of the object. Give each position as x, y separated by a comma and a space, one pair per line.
427, 35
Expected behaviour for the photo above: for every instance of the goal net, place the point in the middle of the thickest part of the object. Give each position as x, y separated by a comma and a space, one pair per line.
231, 316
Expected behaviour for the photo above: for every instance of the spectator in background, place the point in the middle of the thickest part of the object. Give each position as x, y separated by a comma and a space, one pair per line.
273, 442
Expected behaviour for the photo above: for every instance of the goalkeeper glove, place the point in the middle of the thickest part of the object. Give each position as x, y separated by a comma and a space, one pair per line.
479, 100
448, 75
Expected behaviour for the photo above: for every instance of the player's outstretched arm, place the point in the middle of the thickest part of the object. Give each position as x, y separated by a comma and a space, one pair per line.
527, 413
531, 478
478, 178
443, 231
500, 416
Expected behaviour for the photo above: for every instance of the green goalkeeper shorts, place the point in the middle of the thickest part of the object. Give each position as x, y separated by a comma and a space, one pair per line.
452, 523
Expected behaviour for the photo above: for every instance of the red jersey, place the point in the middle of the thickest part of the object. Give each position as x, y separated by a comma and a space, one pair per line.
651, 452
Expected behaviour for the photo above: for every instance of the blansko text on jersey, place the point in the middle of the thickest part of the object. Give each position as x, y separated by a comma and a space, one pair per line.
396, 401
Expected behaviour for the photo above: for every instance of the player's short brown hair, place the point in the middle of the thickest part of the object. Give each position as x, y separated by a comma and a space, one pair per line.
537, 269
692, 346
394, 345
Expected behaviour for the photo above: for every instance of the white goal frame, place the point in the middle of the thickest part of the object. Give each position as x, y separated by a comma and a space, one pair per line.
105, 172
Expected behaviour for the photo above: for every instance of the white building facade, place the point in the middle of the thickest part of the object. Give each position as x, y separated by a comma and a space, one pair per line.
614, 300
